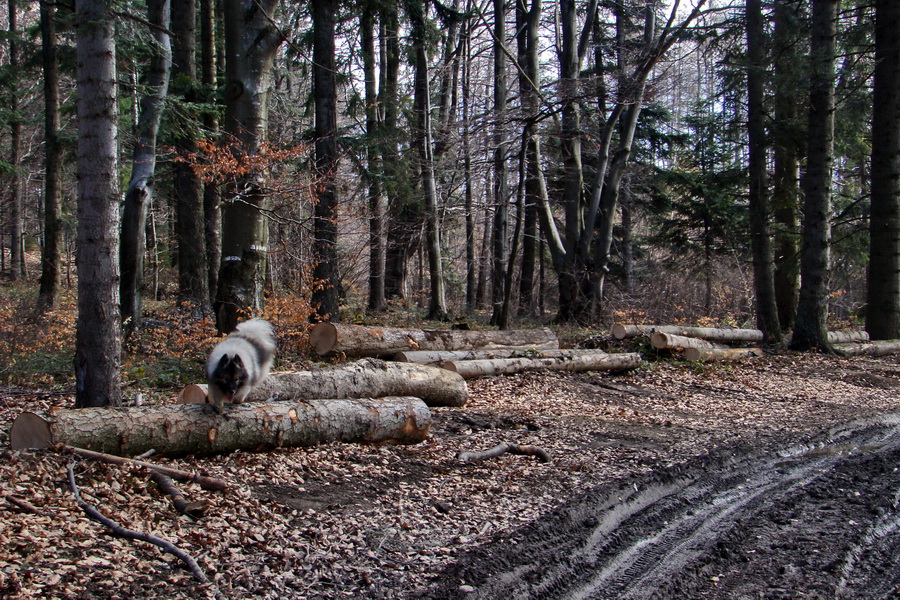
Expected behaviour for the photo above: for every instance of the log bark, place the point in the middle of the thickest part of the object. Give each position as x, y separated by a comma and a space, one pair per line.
366, 378
356, 340
713, 334
437, 357
598, 362
841, 337
182, 429
712, 354
873, 348
670, 341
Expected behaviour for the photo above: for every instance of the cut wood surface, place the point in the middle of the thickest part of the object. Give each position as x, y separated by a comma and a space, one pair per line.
671, 341
357, 340
366, 378
713, 334
179, 429
841, 337
436, 357
873, 348
712, 354
504, 366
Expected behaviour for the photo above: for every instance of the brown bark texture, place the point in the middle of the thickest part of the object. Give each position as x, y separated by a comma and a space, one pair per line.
504, 366
367, 378
193, 429
357, 340
713, 354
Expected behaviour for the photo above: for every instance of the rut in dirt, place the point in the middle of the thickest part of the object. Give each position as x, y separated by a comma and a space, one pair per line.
815, 520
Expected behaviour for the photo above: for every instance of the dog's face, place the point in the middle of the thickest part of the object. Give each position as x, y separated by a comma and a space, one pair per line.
230, 375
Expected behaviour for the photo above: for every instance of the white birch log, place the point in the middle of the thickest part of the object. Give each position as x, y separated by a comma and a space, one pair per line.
356, 340
504, 366
713, 354
842, 337
714, 334
437, 357
179, 429
670, 341
366, 378
873, 348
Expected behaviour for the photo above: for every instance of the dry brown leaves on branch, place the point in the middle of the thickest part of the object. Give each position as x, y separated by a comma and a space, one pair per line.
382, 522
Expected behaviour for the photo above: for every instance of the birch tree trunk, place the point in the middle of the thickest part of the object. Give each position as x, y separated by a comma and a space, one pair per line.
140, 188
251, 40
97, 337
810, 328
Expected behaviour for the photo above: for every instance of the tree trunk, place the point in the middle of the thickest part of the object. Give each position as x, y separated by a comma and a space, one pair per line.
437, 304
97, 338
671, 341
366, 378
471, 265
760, 239
373, 133
251, 40
325, 295
437, 357
717, 334
713, 354
190, 229
355, 340
211, 204
786, 163
16, 240
600, 361
143, 171
182, 429
500, 191
874, 348
810, 328
50, 252
839, 337
883, 298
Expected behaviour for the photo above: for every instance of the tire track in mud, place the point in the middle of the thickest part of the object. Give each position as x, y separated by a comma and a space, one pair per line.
816, 520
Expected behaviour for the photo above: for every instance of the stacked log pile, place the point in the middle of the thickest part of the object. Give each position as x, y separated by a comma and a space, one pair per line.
697, 343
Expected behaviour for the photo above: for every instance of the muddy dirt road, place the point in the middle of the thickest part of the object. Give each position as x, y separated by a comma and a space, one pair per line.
819, 520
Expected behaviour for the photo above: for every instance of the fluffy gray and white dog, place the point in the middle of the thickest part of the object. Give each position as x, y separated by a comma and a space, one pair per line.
239, 362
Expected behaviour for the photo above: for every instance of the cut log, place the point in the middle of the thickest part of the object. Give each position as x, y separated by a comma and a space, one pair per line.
501, 366
179, 429
437, 357
873, 348
711, 354
842, 337
366, 378
356, 340
670, 341
713, 334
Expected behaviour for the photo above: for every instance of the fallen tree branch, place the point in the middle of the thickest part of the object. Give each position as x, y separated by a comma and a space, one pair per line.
195, 510
207, 483
536, 451
117, 529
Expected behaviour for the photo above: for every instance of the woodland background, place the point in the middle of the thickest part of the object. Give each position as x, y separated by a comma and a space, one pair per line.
176, 164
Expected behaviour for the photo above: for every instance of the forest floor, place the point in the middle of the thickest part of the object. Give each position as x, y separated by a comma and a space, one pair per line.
776, 478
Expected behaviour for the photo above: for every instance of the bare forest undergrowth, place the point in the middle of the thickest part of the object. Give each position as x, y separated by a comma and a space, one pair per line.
347, 520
